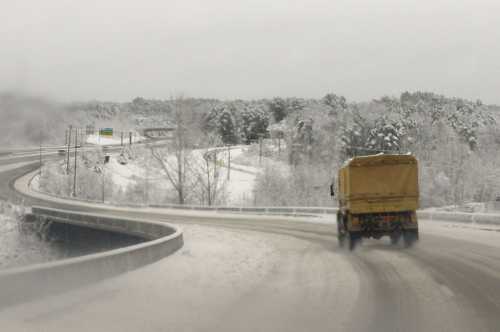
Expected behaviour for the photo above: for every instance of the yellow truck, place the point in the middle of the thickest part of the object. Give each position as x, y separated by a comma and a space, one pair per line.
378, 195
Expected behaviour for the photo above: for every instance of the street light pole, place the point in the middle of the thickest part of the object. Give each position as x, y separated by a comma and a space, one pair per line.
260, 148
67, 154
74, 175
228, 161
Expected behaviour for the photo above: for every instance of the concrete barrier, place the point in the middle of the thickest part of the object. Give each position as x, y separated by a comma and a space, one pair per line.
34, 281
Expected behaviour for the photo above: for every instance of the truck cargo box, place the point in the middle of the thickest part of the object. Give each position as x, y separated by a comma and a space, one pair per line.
379, 184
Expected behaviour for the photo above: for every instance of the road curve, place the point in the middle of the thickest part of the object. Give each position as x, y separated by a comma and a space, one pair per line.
449, 282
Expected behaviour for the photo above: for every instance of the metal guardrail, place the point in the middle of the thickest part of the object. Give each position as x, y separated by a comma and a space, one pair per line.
252, 209
484, 218
479, 218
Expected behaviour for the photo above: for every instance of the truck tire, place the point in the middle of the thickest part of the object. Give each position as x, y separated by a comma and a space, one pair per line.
395, 238
410, 237
354, 240
341, 240
341, 231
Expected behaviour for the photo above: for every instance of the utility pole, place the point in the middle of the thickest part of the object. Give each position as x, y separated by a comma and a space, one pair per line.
67, 154
122, 139
103, 177
206, 156
40, 152
146, 184
130, 137
216, 177
228, 161
260, 149
74, 175
279, 142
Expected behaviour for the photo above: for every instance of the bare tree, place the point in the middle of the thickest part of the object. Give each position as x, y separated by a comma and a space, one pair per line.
207, 170
175, 157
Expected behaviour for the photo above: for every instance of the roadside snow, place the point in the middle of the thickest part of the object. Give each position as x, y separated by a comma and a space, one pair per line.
35, 183
240, 188
123, 175
115, 140
205, 277
17, 247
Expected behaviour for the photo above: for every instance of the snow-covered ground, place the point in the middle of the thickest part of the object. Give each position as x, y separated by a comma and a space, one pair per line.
114, 140
239, 188
127, 175
136, 171
18, 247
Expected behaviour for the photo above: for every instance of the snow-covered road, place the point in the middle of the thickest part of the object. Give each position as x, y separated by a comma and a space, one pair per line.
249, 276
250, 273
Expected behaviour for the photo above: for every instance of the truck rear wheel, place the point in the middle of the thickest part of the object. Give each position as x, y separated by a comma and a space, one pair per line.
354, 240
395, 237
410, 237
341, 240
341, 231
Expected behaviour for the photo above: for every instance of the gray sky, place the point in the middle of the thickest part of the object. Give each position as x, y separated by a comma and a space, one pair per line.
119, 49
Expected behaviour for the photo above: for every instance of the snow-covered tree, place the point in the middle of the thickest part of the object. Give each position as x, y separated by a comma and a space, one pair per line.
278, 108
336, 103
385, 136
222, 122
254, 122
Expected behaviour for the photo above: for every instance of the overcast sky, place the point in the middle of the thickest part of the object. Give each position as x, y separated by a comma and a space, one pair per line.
120, 49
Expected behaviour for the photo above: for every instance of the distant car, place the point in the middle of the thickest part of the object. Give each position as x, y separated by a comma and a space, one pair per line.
61, 152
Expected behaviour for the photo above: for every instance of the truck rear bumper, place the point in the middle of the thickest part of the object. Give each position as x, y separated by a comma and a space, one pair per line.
378, 225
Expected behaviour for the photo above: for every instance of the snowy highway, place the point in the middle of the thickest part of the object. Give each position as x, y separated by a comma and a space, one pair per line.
246, 273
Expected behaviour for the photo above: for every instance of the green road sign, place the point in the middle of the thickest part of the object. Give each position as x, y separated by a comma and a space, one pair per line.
106, 132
